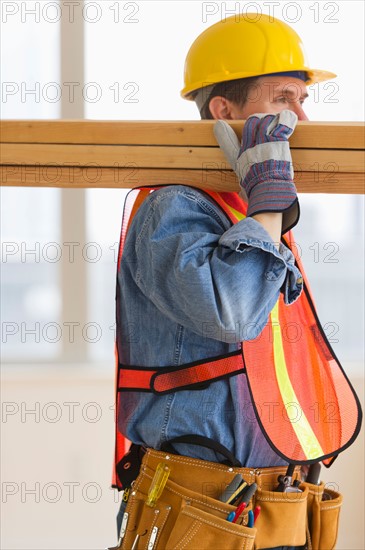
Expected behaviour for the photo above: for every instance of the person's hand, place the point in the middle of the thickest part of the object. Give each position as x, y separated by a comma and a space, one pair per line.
263, 163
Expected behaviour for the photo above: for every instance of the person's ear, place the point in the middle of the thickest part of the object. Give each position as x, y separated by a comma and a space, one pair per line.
221, 108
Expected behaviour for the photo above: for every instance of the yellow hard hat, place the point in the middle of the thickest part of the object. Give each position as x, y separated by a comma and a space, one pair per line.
244, 46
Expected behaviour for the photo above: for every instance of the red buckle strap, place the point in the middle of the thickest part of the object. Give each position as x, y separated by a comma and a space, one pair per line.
191, 375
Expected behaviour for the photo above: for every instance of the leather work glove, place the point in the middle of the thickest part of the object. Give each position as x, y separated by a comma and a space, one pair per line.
263, 163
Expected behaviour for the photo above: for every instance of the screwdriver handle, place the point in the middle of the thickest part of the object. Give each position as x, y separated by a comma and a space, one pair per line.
158, 483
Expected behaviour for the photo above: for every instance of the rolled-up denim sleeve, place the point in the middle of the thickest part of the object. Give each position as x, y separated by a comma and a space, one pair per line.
220, 281
248, 234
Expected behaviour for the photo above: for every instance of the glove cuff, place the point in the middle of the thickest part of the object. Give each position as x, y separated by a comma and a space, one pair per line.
291, 217
276, 198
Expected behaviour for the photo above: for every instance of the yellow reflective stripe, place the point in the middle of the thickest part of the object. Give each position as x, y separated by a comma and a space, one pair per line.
307, 438
235, 212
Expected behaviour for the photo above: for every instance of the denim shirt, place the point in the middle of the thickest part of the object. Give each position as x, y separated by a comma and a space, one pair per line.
192, 287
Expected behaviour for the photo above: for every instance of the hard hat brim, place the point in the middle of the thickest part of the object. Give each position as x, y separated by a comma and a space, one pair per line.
314, 76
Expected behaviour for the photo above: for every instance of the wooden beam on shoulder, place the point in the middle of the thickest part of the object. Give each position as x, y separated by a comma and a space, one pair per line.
328, 157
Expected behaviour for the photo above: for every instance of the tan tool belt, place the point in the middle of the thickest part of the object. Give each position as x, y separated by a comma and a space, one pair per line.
188, 515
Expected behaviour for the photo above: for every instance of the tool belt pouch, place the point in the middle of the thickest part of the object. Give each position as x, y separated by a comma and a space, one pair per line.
182, 517
283, 518
324, 506
189, 515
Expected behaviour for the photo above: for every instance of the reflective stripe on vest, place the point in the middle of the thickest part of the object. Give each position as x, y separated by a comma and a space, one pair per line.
303, 401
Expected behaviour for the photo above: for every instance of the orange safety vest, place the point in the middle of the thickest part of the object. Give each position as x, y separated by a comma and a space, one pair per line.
303, 400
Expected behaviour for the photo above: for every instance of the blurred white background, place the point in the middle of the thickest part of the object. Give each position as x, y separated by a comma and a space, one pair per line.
59, 246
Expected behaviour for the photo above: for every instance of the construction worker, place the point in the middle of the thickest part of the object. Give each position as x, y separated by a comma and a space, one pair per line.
192, 286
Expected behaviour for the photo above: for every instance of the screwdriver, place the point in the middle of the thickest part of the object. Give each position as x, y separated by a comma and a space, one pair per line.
158, 483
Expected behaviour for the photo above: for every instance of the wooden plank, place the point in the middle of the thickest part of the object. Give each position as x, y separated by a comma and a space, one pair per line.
126, 178
319, 135
327, 157
167, 157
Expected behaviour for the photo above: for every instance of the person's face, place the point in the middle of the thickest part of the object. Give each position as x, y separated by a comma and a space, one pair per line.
270, 94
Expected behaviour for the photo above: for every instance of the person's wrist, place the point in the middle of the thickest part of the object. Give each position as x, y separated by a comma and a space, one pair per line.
272, 223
